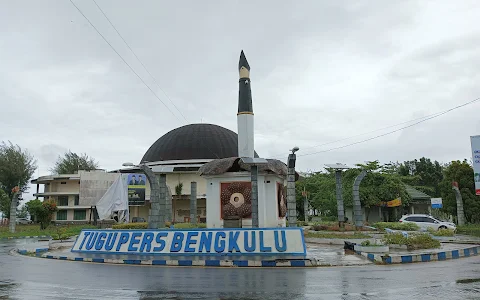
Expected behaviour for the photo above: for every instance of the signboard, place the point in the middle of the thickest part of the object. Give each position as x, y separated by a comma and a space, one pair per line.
475, 140
436, 202
196, 242
394, 203
136, 189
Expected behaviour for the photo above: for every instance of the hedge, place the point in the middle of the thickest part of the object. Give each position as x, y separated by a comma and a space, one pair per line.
396, 226
413, 241
145, 226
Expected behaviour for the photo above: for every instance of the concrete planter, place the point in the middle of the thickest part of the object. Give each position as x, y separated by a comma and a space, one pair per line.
372, 249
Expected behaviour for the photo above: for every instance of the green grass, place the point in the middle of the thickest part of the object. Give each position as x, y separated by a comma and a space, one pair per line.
471, 229
145, 226
337, 235
441, 232
34, 230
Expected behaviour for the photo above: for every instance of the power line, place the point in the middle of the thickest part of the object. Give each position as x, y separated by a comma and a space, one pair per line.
143, 65
71, 1
390, 132
383, 128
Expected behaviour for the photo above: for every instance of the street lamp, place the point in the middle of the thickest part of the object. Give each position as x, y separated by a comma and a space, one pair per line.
338, 167
291, 196
157, 196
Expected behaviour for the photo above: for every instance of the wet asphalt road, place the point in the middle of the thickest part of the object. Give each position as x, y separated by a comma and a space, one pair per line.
34, 278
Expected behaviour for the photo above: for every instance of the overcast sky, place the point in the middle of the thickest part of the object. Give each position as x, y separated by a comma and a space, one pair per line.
321, 71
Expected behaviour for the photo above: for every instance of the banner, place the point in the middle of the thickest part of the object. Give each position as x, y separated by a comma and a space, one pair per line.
475, 140
136, 189
197, 242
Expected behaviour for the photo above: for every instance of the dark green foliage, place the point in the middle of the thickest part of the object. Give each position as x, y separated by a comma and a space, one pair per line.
72, 162
396, 226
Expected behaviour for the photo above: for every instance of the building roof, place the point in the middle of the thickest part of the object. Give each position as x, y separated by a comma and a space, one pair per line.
235, 164
194, 141
416, 194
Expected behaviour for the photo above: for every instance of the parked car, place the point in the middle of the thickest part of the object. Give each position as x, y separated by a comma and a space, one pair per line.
24, 221
138, 220
427, 221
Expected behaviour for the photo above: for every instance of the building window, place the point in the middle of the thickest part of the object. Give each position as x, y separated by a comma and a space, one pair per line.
77, 200
62, 200
80, 214
61, 215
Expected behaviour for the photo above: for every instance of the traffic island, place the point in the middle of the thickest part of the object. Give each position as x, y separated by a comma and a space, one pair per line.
423, 255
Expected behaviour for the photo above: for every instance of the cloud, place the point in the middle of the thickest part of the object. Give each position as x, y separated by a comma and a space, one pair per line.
322, 71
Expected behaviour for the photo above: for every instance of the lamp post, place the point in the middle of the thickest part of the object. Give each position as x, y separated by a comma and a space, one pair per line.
338, 167
291, 196
157, 196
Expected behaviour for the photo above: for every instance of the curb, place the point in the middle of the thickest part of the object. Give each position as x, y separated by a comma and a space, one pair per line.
24, 237
422, 257
180, 263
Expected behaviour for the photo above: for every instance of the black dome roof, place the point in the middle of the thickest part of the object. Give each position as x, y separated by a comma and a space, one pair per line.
194, 141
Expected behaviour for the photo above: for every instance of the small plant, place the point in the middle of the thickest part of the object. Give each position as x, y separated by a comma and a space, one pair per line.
397, 226
414, 241
365, 243
441, 232
139, 225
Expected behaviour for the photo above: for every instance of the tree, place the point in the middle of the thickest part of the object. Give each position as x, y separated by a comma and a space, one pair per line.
22, 212
5, 202
423, 175
34, 208
72, 162
16, 168
461, 172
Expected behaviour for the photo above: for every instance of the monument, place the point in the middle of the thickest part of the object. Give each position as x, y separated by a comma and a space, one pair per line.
234, 188
245, 187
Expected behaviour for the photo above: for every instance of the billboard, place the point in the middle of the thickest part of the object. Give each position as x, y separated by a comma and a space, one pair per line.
475, 140
136, 189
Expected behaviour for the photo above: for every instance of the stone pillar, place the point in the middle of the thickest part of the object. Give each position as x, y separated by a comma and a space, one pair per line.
254, 195
168, 205
193, 202
13, 211
340, 208
460, 213
357, 205
156, 217
291, 196
305, 208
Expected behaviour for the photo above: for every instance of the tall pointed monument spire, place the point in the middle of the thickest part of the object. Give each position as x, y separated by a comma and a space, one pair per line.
245, 110
244, 90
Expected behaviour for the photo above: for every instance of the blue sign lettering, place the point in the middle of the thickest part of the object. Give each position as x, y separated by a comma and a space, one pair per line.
253, 241
160, 241
111, 239
177, 242
84, 239
189, 242
232, 241
124, 236
100, 241
203, 242
220, 244
146, 242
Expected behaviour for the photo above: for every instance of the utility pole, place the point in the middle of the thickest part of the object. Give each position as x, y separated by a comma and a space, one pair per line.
305, 204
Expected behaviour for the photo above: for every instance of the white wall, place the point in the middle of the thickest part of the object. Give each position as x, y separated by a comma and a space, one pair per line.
267, 199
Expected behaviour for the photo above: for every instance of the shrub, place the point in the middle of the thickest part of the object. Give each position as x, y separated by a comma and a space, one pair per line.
145, 225
441, 232
189, 225
414, 241
471, 229
302, 223
396, 226
131, 226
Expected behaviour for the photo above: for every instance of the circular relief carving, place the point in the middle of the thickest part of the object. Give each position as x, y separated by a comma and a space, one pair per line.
236, 200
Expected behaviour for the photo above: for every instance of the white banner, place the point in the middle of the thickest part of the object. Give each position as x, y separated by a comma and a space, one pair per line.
198, 242
475, 140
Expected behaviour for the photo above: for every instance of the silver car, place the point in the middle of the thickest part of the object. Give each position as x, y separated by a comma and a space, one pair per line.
427, 221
